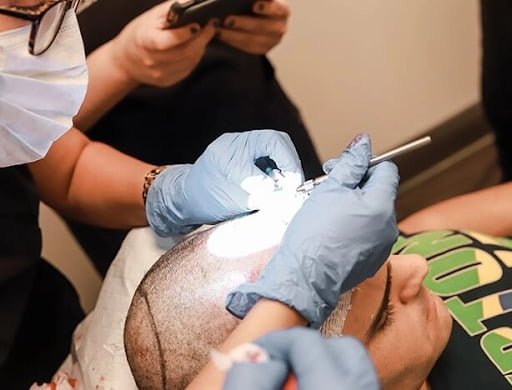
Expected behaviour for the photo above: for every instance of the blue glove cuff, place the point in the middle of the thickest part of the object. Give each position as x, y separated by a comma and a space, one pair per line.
308, 304
164, 214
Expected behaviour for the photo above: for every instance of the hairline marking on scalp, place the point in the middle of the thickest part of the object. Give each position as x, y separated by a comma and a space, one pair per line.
157, 336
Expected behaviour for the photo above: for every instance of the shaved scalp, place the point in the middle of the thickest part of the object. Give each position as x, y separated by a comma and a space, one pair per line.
177, 314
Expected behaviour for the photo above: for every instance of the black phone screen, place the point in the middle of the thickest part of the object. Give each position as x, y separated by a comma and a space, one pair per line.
201, 11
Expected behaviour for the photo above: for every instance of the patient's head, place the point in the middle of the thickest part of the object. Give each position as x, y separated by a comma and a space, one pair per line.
404, 326
177, 314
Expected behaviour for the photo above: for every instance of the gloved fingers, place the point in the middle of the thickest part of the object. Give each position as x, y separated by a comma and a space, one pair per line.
226, 201
279, 147
334, 363
209, 199
347, 365
349, 169
269, 375
235, 155
382, 181
312, 357
298, 341
329, 164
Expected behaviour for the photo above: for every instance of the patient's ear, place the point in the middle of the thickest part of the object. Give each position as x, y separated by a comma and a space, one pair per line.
141, 345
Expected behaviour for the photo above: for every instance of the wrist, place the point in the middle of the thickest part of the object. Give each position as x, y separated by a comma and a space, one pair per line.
119, 61
167, 208
149, 178
287, 315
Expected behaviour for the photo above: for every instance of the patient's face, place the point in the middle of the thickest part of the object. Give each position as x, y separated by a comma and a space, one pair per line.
404, 326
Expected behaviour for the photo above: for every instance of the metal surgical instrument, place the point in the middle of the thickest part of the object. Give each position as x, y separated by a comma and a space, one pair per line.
308, 185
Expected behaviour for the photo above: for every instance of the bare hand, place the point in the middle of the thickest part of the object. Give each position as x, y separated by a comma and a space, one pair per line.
150, 53
260, 33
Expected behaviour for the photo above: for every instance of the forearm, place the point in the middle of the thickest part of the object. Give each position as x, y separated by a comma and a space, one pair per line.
108, 84
92, 182
263, 318
146, 52
487, 211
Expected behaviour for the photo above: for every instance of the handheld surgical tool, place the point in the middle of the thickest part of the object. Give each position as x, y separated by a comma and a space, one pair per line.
269, 167
308, 185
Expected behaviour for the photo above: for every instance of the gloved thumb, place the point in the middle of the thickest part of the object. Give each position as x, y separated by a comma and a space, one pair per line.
349, 169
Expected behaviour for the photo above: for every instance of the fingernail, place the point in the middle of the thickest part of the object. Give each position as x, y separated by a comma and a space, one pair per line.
355, 140
194, 30
229, 23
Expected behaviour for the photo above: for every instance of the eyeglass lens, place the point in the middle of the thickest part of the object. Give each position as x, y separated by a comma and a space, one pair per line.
49, 27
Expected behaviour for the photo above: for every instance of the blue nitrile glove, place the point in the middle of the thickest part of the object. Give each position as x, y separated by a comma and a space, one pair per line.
317, 363
340, 236
222, 183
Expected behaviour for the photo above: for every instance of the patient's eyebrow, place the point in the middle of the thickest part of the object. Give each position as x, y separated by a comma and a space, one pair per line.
383, 305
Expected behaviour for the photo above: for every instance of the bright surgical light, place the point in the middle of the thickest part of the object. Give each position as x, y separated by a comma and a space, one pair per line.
259, 231
262, 189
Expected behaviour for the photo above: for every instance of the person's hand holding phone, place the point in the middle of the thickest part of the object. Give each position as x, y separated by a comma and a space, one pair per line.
148, 52
258, 33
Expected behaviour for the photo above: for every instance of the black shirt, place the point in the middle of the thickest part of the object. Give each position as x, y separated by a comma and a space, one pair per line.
472, 273
496, 91
20, 249
39, 308
228, 91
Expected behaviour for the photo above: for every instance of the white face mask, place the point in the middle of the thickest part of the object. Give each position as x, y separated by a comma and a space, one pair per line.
39, 95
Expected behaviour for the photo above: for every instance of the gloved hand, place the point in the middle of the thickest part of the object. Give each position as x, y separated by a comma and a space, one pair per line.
316, 362
340, 236
222, 183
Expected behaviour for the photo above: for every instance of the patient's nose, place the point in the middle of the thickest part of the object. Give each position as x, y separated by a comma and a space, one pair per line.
409, 272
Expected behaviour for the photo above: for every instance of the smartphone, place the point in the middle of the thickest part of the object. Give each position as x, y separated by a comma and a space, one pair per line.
201, 11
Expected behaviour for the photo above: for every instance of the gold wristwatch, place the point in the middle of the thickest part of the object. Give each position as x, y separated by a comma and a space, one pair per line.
149, 178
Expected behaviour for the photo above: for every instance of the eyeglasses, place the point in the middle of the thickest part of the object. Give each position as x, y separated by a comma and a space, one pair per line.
46, 18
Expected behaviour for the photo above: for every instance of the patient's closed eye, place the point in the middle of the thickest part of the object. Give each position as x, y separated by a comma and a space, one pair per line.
384, 316
387, 318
